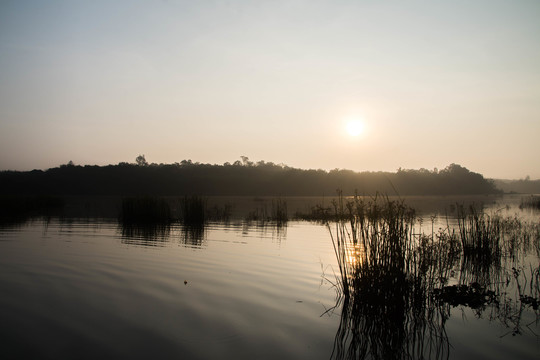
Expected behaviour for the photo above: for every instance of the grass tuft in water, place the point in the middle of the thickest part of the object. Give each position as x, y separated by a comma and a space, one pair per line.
396, 286
145, 210
16, 210
370, 235
193, 210
532, 202
480, 235
387, 274
219, 213
277, 214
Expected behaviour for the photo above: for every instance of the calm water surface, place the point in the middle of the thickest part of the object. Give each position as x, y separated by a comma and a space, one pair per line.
90, 289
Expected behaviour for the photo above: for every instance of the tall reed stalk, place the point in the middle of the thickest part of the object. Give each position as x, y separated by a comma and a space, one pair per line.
480, 234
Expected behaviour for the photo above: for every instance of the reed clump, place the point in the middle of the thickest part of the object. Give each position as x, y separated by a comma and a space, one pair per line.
532, 202
320, 214
260, 214
147, 234
277, 214
396, 286
219, 213
194, 210
145, 210
20, 208
481, 234
387, 274
370, 235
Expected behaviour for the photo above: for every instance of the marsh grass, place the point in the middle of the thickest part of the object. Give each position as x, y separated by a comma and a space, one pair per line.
319, 213
492, 244
277, 214
386, 277
193, 235
370, 235
393, 283
145, 234
480, 235
145, 210
148, 220
219, 213
259, 214
16, 210
193, 210
512, 302
145, 221
532, 202
29, 206
502, 283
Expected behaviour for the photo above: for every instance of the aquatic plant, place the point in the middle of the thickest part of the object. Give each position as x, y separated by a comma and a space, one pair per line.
219, 213
386, 277
145, 220
16, 210
193, 210
474, 295
393, 283
147, 234
258, 214
532, 202
480, 235
321, 214
145, 210
193, 235
28, 206
370, 235
277, 214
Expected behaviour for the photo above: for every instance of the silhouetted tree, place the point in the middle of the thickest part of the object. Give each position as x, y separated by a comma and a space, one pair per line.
141, 161
245, 161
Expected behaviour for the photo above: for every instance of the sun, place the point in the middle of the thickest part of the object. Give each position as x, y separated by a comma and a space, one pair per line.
354, 127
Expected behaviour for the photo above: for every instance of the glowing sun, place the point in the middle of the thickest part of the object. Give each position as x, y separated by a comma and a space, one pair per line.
354, 127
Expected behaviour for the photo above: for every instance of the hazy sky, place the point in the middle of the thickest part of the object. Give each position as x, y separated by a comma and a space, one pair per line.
434, 82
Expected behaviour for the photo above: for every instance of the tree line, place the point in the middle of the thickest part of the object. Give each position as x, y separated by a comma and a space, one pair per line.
521, 186
239, 178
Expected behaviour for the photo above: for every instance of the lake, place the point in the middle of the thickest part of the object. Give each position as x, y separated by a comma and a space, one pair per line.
85, 287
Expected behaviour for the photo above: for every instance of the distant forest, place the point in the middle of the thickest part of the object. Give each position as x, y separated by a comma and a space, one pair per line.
239, 178
522, 186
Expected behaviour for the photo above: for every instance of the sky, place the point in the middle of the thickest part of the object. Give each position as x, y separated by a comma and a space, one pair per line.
430, 83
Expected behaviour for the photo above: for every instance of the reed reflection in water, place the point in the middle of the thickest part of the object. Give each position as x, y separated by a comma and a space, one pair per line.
149, 221
161, 234
145, 234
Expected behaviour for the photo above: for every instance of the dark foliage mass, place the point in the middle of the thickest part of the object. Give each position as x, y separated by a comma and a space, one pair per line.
239, 178
17, 209
522, 186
